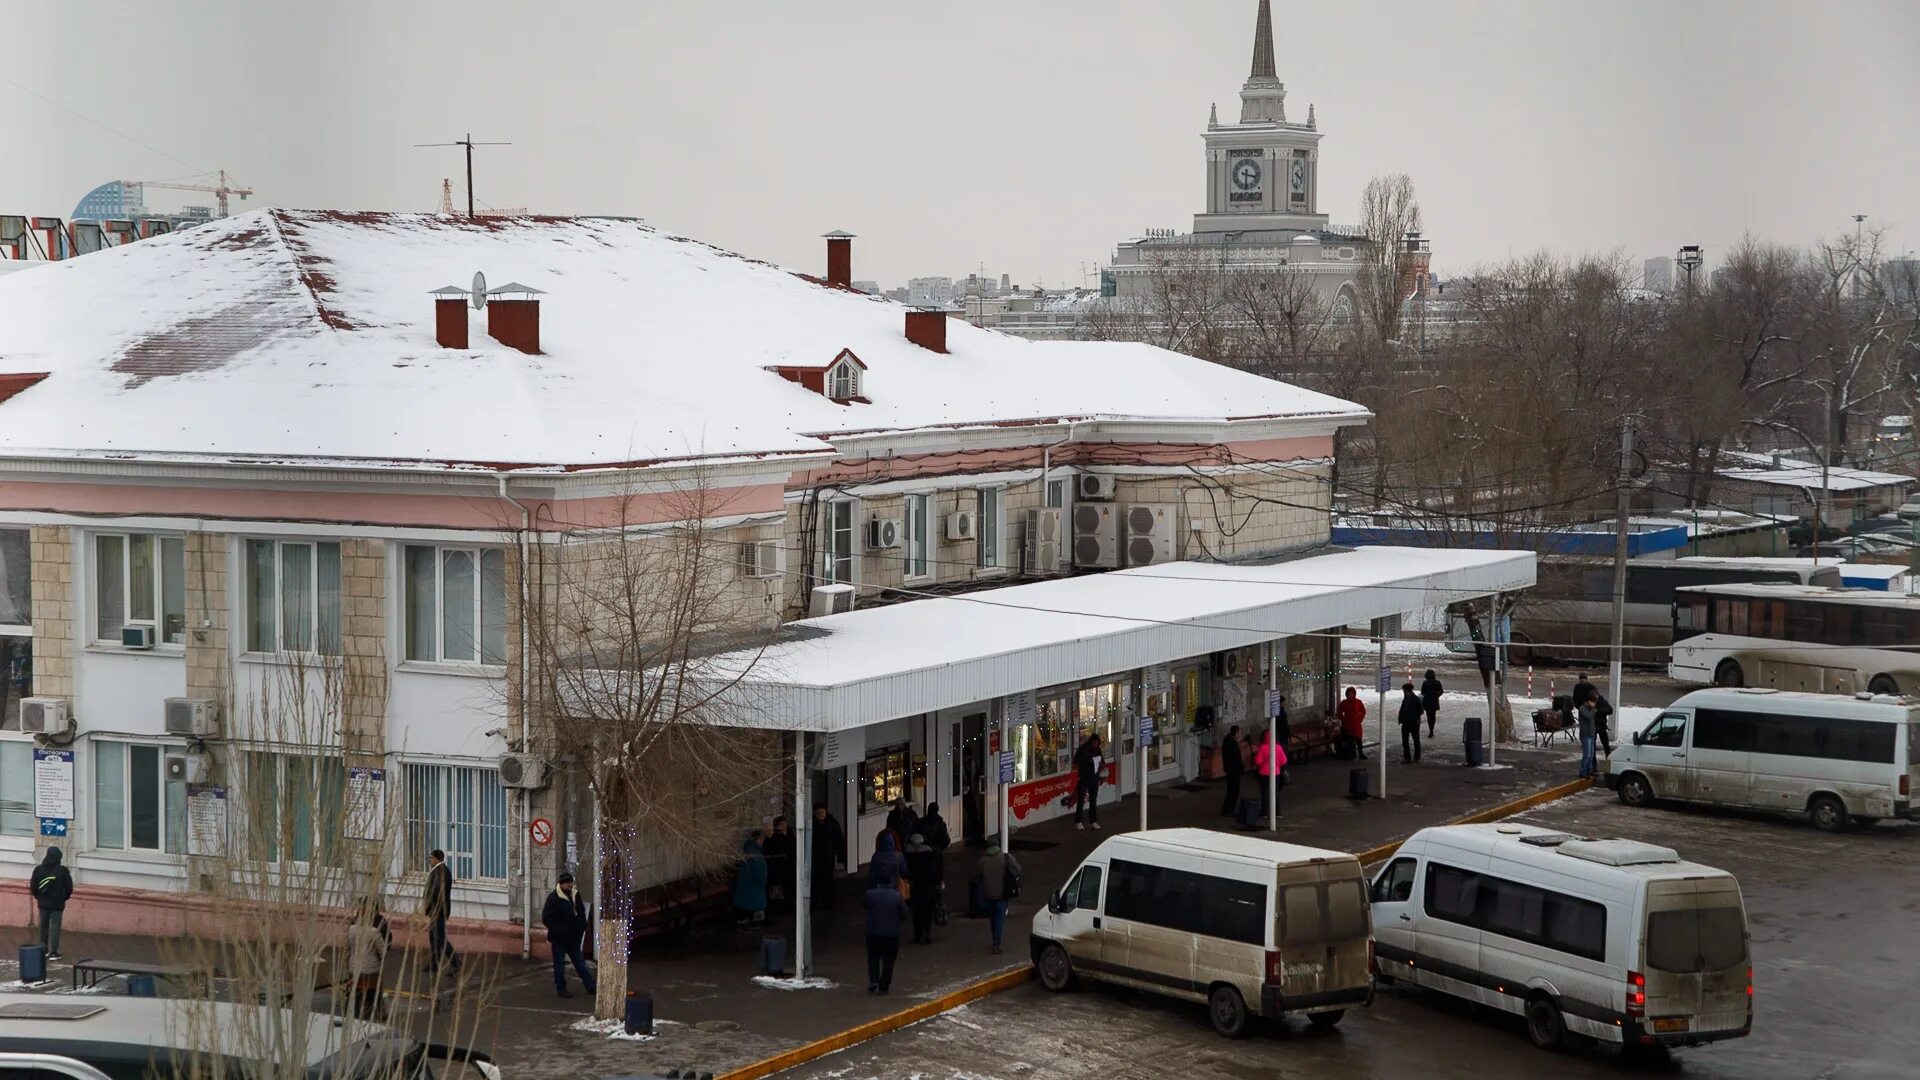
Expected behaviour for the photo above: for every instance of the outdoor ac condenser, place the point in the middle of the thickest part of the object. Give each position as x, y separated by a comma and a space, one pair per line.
1150, 533
1046, 541
1096, 536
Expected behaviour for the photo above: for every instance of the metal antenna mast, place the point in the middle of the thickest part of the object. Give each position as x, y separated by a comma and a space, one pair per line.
469, 144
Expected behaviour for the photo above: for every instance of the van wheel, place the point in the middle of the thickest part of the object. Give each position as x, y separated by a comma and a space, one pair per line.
1827, 813
1729, 674
1326, 1021
1520, 649
1882, 684
1228, 1010
1056, 971
1635, 791
1544, 1026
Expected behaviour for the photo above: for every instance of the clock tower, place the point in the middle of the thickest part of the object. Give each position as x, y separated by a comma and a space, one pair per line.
1263, 172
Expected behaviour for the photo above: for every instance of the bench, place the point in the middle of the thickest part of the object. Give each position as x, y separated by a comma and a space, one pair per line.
1550, 722
92, 971
672, 909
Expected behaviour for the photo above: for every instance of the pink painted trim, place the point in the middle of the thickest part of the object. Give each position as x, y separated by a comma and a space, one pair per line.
1092, 454
373, 508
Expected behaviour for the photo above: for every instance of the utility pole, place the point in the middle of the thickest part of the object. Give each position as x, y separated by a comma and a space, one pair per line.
1620, 562
469, 144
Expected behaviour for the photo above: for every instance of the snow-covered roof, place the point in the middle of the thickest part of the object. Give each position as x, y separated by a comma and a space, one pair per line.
1792, 472
867, 666
310, 334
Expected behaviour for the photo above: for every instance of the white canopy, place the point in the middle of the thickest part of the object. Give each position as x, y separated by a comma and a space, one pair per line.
869, 666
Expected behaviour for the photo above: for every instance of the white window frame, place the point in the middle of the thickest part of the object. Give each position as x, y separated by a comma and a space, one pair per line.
98, 750
831, 555
7, 570
30, 824
479, 555
1059, 492
463, 841
990, 520
248, 600
158, 621
918, 549
844, 370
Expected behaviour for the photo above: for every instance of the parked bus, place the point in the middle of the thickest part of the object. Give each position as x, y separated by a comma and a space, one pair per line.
1797, 637
1569, 614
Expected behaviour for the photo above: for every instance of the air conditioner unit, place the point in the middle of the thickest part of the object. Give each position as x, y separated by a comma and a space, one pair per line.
961, 525
1046, 541
44, 716
830, 600
1096, 536
1150, 533
196, 718
1093, 486
522, 772
884, 533
762, 559
136, 637
189, 768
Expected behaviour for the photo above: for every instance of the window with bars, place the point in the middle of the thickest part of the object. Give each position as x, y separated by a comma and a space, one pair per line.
293, 597
461, 810
456, 604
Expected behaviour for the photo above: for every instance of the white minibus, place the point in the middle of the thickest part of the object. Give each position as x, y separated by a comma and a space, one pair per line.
1839, 760
1247, 926
1609, 940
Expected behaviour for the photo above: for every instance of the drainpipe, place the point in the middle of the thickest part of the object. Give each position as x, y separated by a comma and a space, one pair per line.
526, 798
1046, 463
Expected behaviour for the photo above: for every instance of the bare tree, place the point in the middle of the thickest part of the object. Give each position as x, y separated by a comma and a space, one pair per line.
1389, 211
1282, 324
635, 640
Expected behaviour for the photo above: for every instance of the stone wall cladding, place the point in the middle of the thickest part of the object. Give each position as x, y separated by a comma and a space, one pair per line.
209, 656
363, 639
54, 610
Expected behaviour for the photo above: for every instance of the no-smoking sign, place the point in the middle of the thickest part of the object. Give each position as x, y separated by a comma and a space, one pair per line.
541, 830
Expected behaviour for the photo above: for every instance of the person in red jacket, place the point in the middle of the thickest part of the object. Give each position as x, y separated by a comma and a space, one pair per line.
1352, 715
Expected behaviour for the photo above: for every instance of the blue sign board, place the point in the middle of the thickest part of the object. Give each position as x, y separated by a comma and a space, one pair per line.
53, 826
1386, 679
1006, 766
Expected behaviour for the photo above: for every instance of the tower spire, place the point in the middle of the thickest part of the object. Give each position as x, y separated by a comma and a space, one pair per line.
1263, 43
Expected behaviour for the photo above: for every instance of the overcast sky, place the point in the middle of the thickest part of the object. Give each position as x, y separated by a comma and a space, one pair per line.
1026, 136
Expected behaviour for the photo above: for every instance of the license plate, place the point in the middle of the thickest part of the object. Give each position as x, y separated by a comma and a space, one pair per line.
1670, 1023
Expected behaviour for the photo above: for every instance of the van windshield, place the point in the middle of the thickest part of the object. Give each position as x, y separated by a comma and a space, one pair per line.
1697, 939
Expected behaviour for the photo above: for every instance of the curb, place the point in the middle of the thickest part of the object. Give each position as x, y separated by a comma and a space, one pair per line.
853, 1036
1007, 980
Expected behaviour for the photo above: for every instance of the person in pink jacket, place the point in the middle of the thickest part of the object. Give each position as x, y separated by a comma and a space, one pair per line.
1269, 760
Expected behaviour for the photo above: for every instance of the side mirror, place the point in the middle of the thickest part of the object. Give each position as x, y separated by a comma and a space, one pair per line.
1055, 904
1639, 738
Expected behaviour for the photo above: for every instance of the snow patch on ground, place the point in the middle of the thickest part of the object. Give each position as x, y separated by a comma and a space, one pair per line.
612, 1029
16, 984
813, 982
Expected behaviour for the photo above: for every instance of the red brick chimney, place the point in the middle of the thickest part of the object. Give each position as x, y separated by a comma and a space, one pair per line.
515, 324
450, 321
928, 329
840, 259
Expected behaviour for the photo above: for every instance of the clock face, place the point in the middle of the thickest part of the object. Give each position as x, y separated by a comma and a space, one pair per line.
1246, 174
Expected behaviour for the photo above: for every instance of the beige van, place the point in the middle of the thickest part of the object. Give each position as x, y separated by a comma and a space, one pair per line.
1249, 927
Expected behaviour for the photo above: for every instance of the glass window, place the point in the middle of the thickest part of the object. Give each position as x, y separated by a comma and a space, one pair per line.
1723, 729
883, 777
16, 678
845, 382
917, 540
295, 807
1670, 729
1697, 939
135, 807
293, 597
139, 579
1301, 918
1040, 748
1059, 492
462, 811
839, 550
1346, 910
1088, 894
1395, 883
987, 526
1452, 894
1234, 910
16, 789
16, 578
456, 604
1576, 926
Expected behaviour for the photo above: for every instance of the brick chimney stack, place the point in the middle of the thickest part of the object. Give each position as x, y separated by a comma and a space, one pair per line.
840, 259
515, 323
450, 321
928, 329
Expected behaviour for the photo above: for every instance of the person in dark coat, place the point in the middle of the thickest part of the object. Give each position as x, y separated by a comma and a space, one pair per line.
1282, 727
924, 875
1583, 692
750, 882
901, 823
781, 890
1430, 691
436, 903
829, 844
565, 917
1087, 765
1411, 712
1603, 722
887, 864
52, 887
886, 910
1234, 767
934, 828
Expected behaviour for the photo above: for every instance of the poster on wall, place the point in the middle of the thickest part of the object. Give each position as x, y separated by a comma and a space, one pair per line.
842, 748
1022, 708
206, 820
53, 790
1156, 682
1303, 662
366, 802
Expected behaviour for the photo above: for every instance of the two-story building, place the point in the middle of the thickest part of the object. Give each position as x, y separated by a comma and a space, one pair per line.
265, 486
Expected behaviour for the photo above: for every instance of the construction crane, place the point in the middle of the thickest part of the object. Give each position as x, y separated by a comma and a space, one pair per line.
219, 191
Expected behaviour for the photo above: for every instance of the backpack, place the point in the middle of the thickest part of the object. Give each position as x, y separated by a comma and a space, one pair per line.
1011, 890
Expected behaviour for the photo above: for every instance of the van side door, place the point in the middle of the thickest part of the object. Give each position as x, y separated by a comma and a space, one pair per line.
1661, 749
1394, 906
1446, 931
1720, 756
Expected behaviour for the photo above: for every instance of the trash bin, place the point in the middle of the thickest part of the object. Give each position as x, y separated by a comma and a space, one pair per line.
33, 963
1476, 752
1470, 729
140, 986
1357, 787
773, 955
639, 1019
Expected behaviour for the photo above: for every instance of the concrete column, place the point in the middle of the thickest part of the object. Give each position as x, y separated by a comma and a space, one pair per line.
802, 859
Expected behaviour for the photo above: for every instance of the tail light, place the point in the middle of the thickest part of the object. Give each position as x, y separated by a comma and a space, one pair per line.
1906, 785
1276, 967
1636, 994
1749, 988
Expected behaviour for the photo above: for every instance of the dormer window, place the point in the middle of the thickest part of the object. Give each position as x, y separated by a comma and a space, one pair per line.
843, 381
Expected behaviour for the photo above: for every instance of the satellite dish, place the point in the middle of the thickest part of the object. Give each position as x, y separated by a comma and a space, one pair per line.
479, 290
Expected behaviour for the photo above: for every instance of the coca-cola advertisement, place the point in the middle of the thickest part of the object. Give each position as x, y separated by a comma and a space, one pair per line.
1023, 799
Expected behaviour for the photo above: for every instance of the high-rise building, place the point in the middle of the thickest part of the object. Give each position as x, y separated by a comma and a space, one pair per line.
1657, 273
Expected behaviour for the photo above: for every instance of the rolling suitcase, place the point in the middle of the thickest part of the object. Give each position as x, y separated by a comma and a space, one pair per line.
1248, 814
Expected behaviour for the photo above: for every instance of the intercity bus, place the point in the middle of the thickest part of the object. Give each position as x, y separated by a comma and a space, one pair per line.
1797, 637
